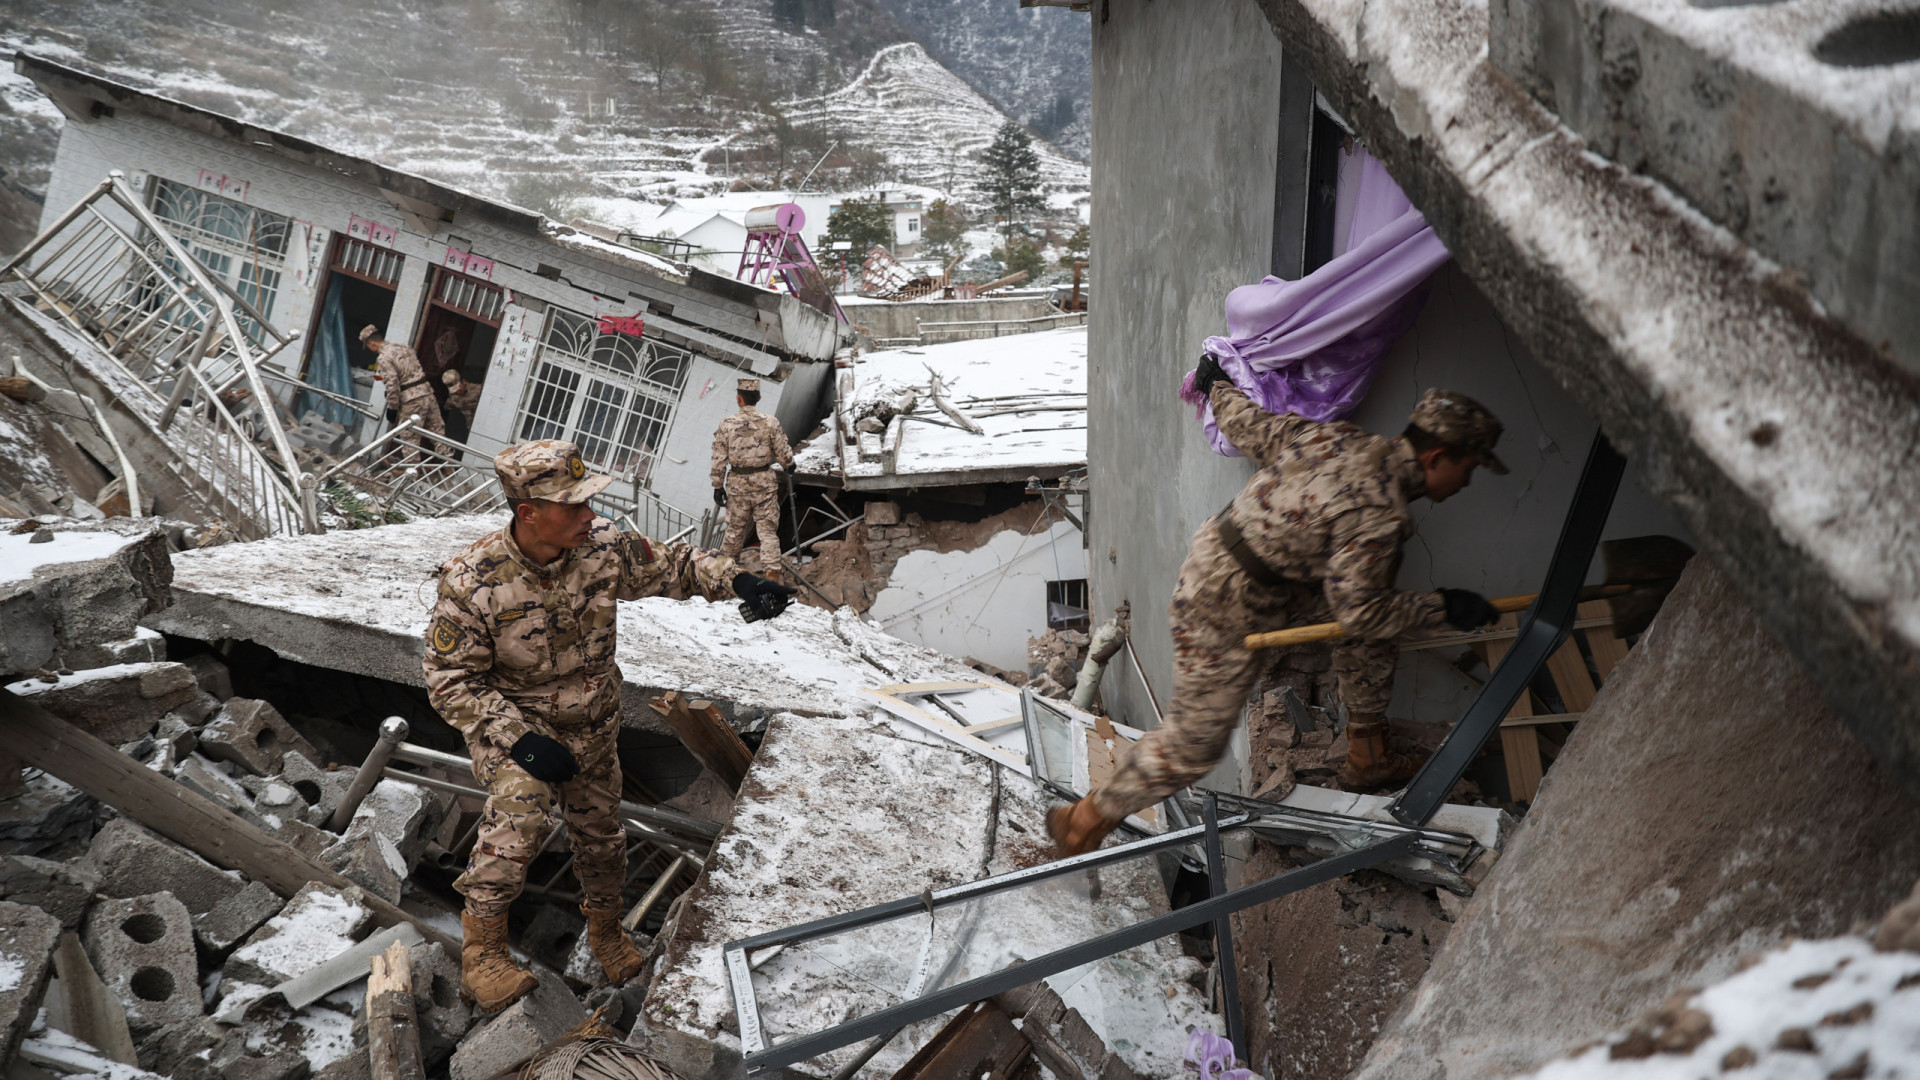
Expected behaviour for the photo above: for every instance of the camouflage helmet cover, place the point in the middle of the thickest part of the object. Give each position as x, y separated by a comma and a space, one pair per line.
749, 384
1460, 422
368, 331
548, 469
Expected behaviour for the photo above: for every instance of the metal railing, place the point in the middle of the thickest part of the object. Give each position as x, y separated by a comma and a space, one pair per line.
419, 473
650, 515
185, 361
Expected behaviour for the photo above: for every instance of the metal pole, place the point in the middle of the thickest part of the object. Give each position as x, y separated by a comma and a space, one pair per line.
654, 894
393, 732
1223, 934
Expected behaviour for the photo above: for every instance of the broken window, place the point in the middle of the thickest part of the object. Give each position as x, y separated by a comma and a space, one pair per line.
613, 394
1067, 605
241, 245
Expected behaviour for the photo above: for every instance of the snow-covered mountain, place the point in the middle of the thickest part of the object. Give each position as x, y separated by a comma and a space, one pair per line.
510, 98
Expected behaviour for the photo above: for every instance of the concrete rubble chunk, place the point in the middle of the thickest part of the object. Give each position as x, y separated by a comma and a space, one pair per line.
317, 924
583, 970
307, 839
115, 704
232, 919
144, 647
354, 1066
62, 890
204, 777
252, 734
323, 789
370, 861
407, 814
280, 1065
143, 949
176, 732
211, 673
61, 602
28, 937
444, 1018
521, 1029
167, 1049
550, 936
134, 862
47, 815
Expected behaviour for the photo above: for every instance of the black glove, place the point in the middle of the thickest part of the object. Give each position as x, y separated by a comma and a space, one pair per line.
546, 760
719, 496
760, 598
1467, 610
1206, 373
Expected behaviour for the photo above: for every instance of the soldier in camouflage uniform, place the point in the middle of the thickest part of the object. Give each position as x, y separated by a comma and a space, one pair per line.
749, 443
1313, 537
408, 391
520, 658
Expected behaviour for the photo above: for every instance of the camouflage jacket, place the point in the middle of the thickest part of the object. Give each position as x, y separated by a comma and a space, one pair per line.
400, 370
1329, 506
749, 439
465, 400
515, 647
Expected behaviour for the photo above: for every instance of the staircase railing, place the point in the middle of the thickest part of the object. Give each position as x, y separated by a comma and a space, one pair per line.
169, 326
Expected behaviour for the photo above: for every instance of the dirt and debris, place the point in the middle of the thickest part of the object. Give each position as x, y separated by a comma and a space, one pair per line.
852, 571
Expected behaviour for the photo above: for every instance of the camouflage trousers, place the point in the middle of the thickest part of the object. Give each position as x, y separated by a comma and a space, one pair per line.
522, 811
753, 502
422, 402
1215, 606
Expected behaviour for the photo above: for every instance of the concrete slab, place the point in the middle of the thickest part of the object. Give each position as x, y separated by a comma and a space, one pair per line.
1708, 806
133, 862
841, 813
521, 1029
317, 924
61, 601
358, 600
115, 703
143, 949
28, 937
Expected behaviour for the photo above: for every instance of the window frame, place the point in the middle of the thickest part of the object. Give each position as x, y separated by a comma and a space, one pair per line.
578, 389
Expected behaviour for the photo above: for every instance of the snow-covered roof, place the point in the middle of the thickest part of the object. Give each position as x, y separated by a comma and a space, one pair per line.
1027, 393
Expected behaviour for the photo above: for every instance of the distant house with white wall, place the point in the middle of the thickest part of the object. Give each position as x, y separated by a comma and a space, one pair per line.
973, 538
570, 336
716, 225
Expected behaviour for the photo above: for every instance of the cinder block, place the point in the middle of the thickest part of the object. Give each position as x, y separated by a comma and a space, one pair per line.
407, 814
143, 949
551, 935
252, 734
27, 940
236, 917
317, 924
321, 789
882, 513
62, 890
212, 674
115, 704
200, 775
521, 1029
133, 862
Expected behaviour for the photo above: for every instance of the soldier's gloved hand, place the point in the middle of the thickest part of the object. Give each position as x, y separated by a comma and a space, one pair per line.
765, 598
1467, 610
1206, 373
719, 496
546, 760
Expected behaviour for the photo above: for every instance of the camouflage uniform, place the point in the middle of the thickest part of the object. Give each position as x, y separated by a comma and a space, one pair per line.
408, 392
750, 442
515, 647
1326, 515
464, 400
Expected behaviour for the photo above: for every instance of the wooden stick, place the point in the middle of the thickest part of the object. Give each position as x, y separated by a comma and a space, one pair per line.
707, 736
393, 1028
193, 821
1301, 635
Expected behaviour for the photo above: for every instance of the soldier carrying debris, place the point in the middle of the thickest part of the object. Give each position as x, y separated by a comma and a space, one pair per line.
1314, 537
520, 658
408, 391
749, 442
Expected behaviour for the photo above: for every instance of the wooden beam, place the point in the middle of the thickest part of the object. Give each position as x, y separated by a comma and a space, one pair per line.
1607, 650
193, 821
1520, 745
393, 1027
707, 735
1570, 676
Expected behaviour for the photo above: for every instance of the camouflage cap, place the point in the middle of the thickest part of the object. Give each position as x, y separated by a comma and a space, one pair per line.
547, 469
1459, 421
368, 331
451, 376
750, 384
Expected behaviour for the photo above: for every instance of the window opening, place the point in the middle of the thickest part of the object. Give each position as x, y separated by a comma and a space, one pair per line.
1067, 607
377, 265
241, 245
612, 394
471, 297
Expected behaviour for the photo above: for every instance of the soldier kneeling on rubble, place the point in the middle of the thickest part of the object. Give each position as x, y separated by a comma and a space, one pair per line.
1313, 537
520, 658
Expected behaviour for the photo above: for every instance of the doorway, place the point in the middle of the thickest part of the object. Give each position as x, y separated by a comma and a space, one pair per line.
358, 291
458, 332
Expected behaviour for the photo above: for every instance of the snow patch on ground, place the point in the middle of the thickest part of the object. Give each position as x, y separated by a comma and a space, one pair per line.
314, 928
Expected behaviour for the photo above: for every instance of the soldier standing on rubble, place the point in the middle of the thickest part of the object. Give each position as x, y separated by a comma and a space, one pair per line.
520, 658
749, 443
408, 391
1314, 537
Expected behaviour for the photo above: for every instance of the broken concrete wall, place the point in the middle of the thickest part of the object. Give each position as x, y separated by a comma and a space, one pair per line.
1710, 805
87, 584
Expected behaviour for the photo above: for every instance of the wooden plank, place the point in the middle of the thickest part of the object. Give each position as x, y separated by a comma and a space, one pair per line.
1543, 718
707, 736
1520, 745
1501, 632
1607, 650
1570, 676
981, 1041
393, 1028
193, 821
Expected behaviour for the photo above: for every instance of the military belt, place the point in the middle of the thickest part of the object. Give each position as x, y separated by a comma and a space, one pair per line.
410, 385
1236, 544
741, 469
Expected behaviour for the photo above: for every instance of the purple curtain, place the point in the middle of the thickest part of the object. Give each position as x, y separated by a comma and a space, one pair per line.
1313, 346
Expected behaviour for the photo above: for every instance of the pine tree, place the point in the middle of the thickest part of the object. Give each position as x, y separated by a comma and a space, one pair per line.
863, 223
1012, 181
942, 229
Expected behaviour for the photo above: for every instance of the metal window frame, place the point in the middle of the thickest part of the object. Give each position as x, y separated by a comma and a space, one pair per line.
646, 394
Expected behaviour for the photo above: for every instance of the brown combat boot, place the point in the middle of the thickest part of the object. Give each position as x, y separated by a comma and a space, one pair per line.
1079, 828
611, 945
488, 976
1369, 764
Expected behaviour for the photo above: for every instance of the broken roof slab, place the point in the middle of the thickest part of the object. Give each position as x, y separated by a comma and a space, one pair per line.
1027, 392
1780, 440
358, 601
840, 813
